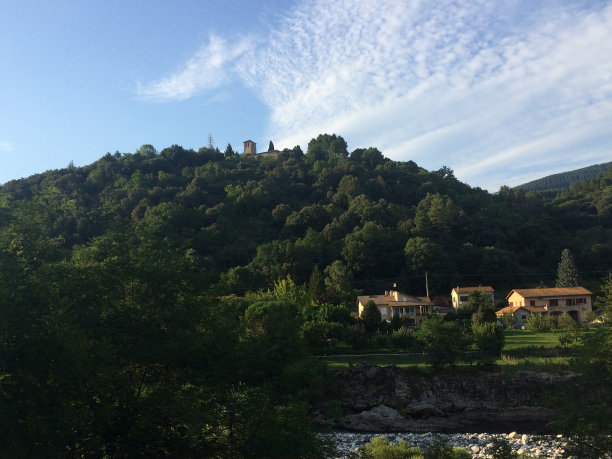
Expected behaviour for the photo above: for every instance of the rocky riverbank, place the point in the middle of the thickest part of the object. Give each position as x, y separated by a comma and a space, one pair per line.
387, 399
480, 445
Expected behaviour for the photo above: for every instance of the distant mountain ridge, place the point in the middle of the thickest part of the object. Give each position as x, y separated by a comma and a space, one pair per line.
564, 180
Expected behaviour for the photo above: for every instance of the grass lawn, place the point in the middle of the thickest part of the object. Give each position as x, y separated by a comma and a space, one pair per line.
524, 338
340, 363
523, 350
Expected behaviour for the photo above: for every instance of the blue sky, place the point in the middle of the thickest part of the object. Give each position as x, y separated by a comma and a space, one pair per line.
501, 92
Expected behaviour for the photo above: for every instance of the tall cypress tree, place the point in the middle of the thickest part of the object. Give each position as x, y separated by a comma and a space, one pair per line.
567, 274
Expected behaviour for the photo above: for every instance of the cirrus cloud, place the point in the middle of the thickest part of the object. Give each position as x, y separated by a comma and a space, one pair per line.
500, 92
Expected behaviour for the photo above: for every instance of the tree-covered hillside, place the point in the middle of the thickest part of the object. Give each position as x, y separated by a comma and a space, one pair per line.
165, 304
565, 180
359, 220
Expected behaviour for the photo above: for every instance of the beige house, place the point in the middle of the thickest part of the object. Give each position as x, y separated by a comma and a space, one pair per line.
574, 301
461, 295
520, 313
394, 303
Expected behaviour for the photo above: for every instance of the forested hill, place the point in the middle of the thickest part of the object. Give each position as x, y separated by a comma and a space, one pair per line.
565, 180
336, 221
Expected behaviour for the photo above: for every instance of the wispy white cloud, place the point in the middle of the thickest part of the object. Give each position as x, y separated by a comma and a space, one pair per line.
6, 146
207, 69
487, 88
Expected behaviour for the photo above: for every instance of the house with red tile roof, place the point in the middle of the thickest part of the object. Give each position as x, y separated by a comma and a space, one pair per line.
414, 309
574, 301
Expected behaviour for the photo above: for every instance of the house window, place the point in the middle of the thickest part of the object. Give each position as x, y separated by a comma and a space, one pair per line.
531, 302
554, 302
383, 311
511, 303
523, 317
570, 302
580, 300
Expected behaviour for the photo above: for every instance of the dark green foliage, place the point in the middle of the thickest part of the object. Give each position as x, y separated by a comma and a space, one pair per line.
403, 338
440, 450
489, 341
565, 180
567, 274
501, 449
443, 340
118, 351
364, 209
356, 337
370, 317
538, 323
124, 285
583, 407
380, 448
396, 322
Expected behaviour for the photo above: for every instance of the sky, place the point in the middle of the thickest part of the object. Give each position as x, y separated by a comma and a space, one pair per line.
502, 92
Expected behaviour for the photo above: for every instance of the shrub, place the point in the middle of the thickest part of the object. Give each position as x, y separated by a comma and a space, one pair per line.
441, 450
380, 448
489, 341
403, 338
537, 323
565, 339
443, 340
501, 449
356, 337
380, 339
396, 322
370, 317
508, 320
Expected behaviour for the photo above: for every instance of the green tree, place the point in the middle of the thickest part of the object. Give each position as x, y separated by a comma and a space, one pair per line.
229, 151
270, 146
537, 323
443, 340
508, 320
604, 300
396, 322
370, 317
326, 146
583, 406
273, 326
316, 285
403, 338
489, 341
567, 274
337, 281
567, 323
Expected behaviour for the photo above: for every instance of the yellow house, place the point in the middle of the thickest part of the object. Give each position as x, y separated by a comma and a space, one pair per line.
461, 295
574, 301
394, 303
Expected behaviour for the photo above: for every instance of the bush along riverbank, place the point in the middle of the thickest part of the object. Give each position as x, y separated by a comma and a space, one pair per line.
350, 444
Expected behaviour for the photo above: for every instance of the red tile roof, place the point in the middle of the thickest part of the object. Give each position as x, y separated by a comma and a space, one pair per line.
390, 300
513, 309
543, 292
480, 288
